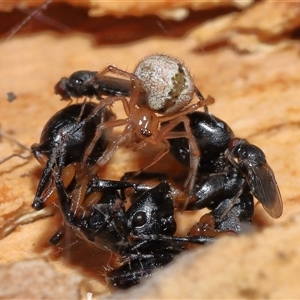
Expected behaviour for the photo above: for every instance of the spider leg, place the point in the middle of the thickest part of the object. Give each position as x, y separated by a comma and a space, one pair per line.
112, 147
166, 133
157, 157
108, 124
202, 99
189, 109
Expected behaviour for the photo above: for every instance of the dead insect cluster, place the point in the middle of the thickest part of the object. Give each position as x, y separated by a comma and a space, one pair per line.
130, 216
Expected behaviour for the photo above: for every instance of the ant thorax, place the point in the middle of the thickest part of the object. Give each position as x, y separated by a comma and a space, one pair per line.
167, 83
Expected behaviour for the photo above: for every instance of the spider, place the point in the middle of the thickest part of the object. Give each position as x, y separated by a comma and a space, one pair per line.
161, 85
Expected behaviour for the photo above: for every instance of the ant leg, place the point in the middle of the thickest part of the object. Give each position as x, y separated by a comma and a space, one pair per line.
58, 235
144, 176
195, 239
104, 184
66, 201
41, 158
49, 194
82, 178
39, 198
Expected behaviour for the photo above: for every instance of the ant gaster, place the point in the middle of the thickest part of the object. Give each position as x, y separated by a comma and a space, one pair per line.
63, 141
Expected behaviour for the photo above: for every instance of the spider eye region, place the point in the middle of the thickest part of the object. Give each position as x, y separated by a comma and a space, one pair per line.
146, 123
146, 132
167, 83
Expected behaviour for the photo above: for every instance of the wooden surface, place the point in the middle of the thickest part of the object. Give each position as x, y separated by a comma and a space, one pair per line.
251, 71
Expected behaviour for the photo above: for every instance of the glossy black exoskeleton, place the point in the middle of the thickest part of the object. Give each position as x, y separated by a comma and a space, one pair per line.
231, 216
226, 194
212, 136
251, 160
227, 217
219, 175
143, 235
85, 84
131, 272
64, 140
228, 197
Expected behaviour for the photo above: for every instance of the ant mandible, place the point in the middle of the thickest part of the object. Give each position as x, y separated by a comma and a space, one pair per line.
160, 85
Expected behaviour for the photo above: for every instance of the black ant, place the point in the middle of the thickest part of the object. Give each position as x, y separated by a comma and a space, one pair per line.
143, 235
229, 166
63, 141
160, 84
84, 84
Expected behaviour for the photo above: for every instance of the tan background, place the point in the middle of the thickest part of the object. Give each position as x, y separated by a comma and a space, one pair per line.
245, 57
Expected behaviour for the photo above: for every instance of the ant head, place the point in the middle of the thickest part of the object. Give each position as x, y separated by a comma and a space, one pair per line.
76, 85
153, 212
